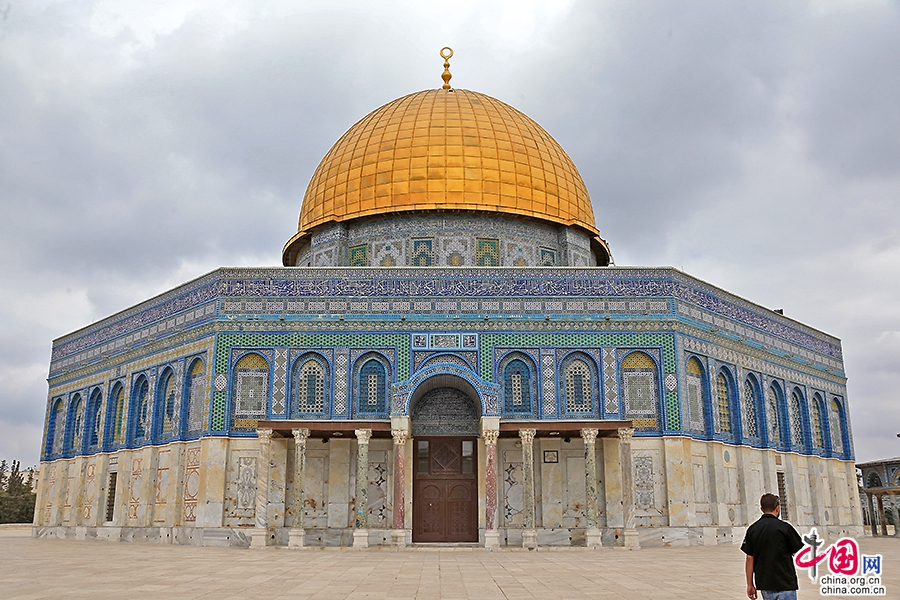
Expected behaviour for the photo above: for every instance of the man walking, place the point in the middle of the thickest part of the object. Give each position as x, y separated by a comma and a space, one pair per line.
770, 545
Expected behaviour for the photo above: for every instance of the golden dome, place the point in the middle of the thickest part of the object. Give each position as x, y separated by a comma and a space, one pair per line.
445, 150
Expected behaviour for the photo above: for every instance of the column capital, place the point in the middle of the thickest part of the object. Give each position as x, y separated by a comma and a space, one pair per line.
527, 435
490, 436
363, 435
400, 436
589, 435
625, 433
264, 435
300, 435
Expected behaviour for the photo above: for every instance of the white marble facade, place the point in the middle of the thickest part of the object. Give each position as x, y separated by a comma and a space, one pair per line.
685, 492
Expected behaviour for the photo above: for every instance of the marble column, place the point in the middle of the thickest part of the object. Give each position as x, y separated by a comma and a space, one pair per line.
896, 514
592, 535
872, 515
491, 533
398, 535
297, 535
260, 534
630, 535
881, 515
361, 535
529, 533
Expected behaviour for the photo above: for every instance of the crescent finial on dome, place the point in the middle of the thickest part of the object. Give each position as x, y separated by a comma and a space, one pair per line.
446, 54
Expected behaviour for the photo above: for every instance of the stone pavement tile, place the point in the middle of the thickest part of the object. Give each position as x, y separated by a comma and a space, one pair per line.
63, 569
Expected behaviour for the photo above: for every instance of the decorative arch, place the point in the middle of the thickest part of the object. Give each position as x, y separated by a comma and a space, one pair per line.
55, 429
724, 423
166, 412
640, 387
873, 480
310, 383
774, 423
697, 388
140, 413
94, 424
74, 425
195, 397
818, 426
485, 393
370, 385
518, 380
578, 382
796, 414
445, 411
749, 407
250, 390
114, 432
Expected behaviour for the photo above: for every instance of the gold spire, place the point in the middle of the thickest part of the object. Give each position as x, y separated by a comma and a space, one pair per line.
446, 54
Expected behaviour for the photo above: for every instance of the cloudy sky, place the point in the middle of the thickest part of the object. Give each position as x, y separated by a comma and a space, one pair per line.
755, 145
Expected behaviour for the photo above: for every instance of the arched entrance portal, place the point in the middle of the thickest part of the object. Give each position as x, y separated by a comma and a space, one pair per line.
445, 478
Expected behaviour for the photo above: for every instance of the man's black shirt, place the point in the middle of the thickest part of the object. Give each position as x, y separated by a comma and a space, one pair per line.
772, 543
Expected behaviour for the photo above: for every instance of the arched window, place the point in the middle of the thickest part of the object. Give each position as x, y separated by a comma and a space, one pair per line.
579, 386
75, 425
93, 420
310, 384
196, 396
140, 399
517, 397
372, 388
723, 404
774, 423
167, 401
641, 390
796, 417
748, 406
115, 424
818, 426
251, 389
695, 385
837, 438
55, 429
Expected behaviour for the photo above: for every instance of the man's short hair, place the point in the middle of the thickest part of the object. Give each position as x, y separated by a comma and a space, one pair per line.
769, 502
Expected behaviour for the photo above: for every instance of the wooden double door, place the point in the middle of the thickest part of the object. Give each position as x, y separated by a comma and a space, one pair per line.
445, 490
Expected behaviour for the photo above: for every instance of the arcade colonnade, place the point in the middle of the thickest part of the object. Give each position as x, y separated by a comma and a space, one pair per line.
269, 518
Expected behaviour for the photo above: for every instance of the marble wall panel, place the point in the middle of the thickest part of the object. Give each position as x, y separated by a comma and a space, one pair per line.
315, 488
340, 491
511, 484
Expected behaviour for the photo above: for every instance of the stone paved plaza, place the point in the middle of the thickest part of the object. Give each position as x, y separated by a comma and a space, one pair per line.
71, 569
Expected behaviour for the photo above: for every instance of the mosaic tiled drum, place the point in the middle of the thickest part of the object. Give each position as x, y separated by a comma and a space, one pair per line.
416, 374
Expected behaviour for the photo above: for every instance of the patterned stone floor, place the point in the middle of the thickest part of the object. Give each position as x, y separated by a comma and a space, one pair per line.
69, 569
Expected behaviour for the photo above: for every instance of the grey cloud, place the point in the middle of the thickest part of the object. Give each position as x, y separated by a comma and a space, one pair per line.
752, 145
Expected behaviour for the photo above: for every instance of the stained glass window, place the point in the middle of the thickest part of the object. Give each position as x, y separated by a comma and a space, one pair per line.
309, 387
796, 417
694, 384
837, 438
141, 418
641, 391
517, 387
772, 419
251, 387
723, 404
94, 422
748, 401
372, 388
817, 439
196, 396
579, 387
